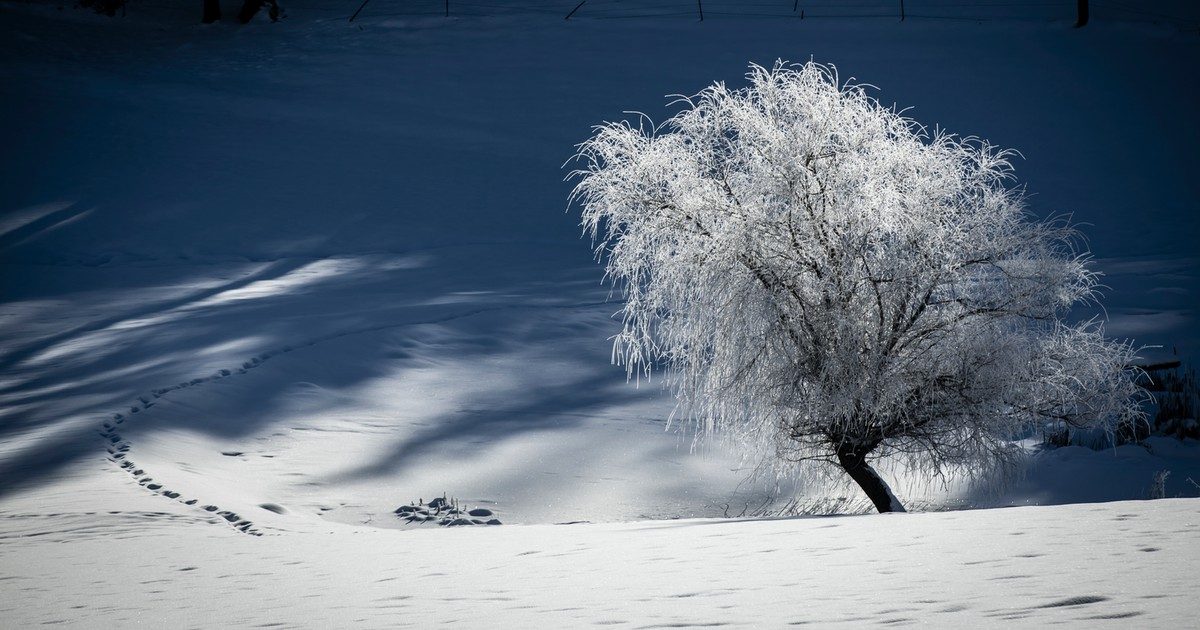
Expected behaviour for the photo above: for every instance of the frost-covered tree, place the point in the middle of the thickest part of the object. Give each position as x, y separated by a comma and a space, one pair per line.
823, 279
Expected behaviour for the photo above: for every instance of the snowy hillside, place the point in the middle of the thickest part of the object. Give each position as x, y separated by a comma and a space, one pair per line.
309, 272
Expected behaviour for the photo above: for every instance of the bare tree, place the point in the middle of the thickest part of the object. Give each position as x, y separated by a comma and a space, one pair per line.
825, 280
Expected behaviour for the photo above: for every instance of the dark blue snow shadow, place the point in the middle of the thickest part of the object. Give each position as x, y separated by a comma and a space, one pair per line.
1076, 474
40, 222
13, 356
1164, 314
66, 397
56, 397
217, 165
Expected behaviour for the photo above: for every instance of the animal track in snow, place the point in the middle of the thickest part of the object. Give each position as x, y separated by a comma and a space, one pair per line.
119, 448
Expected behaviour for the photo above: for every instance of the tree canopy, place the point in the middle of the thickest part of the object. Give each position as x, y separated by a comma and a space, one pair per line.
825, 279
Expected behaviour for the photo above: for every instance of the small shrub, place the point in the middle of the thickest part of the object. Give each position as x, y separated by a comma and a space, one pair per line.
1177, 398
1158, 489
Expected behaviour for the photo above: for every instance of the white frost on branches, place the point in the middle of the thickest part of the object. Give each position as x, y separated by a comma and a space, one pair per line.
820, 274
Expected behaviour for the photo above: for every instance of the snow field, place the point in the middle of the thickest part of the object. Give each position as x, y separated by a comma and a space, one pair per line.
1124, 564
330, 269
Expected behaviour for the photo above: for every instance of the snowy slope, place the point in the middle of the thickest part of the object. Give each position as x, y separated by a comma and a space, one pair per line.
386, 201
1127, 564
325, 268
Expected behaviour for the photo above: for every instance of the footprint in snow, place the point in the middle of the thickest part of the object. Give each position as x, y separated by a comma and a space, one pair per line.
1081, 600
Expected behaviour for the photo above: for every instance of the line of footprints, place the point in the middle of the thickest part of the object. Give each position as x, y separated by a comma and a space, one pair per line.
118, 448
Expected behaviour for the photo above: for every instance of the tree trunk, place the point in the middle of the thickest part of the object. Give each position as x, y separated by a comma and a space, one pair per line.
212, 11
249, 9
855, 465
1081, 13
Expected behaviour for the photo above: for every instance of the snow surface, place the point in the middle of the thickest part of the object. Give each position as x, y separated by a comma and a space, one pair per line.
1123, 564
318, 271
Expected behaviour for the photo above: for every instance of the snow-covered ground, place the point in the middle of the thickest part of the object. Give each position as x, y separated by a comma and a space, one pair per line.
1124, 564
309, 272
